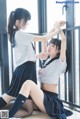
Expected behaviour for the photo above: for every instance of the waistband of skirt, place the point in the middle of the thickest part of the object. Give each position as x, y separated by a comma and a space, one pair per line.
50, 93
28, 62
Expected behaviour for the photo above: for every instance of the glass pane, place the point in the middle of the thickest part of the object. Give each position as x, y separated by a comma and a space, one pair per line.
30, 5
54, 13
77, 16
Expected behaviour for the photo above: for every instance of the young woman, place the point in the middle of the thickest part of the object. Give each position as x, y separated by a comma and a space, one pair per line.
24, 55
46, 98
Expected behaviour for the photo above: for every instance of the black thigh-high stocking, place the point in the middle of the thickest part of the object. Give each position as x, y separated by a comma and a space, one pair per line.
17, 104
2, 102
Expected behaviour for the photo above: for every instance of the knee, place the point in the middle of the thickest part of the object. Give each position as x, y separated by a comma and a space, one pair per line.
30, 111
28, 83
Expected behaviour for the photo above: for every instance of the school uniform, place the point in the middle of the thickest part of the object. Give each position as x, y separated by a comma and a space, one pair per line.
50, 75
25, 58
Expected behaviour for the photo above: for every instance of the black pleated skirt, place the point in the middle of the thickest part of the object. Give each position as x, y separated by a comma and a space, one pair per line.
54, 106
26, 71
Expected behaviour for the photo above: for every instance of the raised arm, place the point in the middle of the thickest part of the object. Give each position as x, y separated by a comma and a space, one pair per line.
51, 34
46, 37
57, 25
63, 45
44, 43
54, 31
61, 23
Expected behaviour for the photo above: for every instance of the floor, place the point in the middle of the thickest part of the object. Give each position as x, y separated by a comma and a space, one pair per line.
40, 115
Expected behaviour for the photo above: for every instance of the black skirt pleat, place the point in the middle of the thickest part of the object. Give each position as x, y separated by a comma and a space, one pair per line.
54, 106
26, 71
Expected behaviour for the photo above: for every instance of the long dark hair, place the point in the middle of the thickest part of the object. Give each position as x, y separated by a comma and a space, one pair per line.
18, 14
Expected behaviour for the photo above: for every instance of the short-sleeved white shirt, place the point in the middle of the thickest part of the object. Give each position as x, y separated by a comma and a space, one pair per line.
23, 50
51, 73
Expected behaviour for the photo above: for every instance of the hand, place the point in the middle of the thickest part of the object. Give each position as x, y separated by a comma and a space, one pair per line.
59, 24
62, 23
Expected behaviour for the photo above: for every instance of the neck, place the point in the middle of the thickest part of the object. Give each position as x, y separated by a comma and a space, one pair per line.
51, 57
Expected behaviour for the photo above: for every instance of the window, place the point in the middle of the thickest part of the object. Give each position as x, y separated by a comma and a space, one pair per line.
30, 5
54, 13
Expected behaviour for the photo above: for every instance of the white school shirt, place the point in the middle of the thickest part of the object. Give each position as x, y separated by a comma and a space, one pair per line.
51, 73
23, 50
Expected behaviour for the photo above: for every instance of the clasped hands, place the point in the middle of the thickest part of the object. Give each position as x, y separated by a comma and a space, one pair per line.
59, 24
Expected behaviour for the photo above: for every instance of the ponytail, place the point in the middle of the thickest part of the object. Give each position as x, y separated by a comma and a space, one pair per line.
18, 14
11, 25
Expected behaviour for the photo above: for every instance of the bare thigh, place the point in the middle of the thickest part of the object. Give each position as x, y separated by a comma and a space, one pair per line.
30, 88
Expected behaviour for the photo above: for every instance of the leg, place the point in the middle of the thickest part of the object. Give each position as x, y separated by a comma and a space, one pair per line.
4, 100
8, 106
28, 88
7, 97
26, 110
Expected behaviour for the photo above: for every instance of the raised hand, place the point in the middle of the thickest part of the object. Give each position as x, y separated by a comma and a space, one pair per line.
62, 23
59, 24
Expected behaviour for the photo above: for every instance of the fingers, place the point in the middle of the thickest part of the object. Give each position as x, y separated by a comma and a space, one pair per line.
62, 23
59, 24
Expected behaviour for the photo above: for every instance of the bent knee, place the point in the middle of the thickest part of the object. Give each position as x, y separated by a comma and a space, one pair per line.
28, 83
30, 111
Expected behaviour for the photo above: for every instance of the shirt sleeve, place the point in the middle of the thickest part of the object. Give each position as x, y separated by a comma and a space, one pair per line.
23, 37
